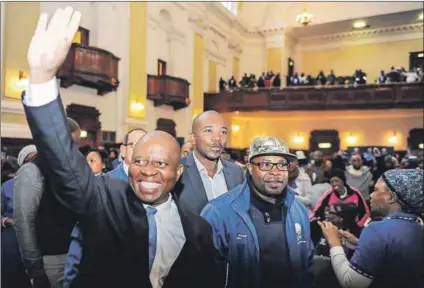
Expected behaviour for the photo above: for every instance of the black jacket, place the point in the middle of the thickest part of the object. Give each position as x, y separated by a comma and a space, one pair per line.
112, 218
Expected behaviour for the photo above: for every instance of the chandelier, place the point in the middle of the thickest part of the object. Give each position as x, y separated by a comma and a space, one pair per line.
305, 18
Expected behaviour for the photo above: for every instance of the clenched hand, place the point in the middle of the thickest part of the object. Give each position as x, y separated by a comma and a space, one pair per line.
50, 44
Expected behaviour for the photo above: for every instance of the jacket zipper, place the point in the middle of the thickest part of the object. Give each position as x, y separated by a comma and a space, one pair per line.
226, 275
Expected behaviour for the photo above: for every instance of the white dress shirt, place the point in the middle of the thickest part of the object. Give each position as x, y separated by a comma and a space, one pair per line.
169, 243
214, 186
125, 167
170, 233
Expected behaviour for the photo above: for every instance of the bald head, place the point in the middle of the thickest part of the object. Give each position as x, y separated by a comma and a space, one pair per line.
206, 116
161, 138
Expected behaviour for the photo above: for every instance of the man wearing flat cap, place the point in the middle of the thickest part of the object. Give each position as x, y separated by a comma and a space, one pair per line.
260, 230
390, 252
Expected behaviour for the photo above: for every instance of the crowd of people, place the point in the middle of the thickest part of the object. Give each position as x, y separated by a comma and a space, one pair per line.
271, 80
172, 217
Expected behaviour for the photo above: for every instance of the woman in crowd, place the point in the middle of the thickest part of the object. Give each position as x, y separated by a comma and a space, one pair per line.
341, 192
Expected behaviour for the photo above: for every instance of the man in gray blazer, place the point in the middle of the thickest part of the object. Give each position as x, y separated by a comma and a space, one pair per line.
205, 176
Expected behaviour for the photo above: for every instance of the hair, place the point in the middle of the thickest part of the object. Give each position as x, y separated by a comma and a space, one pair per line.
73, 125
96, 151
125, 142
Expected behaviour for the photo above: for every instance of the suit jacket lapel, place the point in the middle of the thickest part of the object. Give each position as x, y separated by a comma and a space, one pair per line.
228, 175
196, 181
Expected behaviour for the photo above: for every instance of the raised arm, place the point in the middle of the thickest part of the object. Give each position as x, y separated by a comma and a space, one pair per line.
75, 185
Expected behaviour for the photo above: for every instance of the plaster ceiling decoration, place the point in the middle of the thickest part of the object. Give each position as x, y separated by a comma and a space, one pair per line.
266, 17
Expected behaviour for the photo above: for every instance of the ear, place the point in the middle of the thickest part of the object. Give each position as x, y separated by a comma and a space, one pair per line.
122, 150
249, 167
180, 171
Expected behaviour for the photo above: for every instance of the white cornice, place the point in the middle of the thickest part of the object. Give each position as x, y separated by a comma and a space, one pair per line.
12, 106
416, 27
370, 36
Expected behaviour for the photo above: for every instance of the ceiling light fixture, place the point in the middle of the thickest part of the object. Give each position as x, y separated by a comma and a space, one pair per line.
421, 16
304, 18
359, 24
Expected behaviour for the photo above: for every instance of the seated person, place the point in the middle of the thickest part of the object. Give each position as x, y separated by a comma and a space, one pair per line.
321, 80
382, 78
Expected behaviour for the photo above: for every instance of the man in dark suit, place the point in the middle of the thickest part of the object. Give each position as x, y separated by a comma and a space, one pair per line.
205, 176
135, 234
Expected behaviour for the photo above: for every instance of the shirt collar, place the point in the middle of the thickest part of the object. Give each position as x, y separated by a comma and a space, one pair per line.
162, 207
125, 168
201, 168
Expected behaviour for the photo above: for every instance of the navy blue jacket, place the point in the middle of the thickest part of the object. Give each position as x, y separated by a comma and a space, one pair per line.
236, 239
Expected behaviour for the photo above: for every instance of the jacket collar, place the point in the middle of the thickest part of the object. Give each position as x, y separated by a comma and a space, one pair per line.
228, 173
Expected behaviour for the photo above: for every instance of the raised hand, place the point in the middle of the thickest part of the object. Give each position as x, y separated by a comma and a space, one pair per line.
331, 233
50, 44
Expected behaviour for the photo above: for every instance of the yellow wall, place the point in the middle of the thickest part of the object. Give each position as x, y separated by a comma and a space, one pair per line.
236, 68
19, 25
371, 127
371, 58
273, 59
198, 66
212, 76
137, 54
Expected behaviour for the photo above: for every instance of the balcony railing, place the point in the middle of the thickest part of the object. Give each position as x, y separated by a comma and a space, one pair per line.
168, 90
395, 95
90, 67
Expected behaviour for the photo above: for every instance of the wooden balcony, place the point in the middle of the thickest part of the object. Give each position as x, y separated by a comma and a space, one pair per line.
90, 67
396, 95
168, 90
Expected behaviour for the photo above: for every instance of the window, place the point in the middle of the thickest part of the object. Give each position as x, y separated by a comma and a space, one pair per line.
231, 6
108, 137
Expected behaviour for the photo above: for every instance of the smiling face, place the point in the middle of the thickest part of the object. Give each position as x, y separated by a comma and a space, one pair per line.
210, 135
155, 167
269, 183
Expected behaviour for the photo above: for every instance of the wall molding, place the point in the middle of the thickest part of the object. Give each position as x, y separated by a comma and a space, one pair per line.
12, 130
363, 37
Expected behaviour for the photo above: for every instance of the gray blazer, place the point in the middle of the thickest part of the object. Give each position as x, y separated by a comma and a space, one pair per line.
192, 193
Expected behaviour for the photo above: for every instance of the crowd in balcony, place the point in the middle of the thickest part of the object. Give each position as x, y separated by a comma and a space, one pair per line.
271, 80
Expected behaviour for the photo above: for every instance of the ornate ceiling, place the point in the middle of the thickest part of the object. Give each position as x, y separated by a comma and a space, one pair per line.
274, 16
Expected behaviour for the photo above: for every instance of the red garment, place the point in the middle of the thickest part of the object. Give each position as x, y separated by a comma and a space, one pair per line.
354, 196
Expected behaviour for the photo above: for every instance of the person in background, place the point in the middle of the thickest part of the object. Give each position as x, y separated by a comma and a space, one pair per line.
13, 271
222, 84
232, 83
331, 78
205, 175
382, 78
260, 230
359, 176
300, 182
261, 82
302, 79
114, 159
127, 147
316, 170
95, 161
276, 83
341, 192
187, 148
43, 224
390, 250
321, 80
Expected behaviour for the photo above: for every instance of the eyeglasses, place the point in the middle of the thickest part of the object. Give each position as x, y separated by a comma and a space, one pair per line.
268, 166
